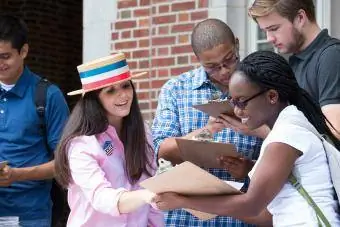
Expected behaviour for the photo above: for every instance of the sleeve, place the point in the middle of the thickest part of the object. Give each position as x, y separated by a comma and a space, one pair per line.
166, 122
88, 175
293, 135
329, 76
155, 218
56, 115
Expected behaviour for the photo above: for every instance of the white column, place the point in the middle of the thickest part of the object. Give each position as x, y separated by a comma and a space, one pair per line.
97, 19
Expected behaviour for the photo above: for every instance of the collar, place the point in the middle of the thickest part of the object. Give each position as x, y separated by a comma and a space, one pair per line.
200, 77
313, 46
21, 85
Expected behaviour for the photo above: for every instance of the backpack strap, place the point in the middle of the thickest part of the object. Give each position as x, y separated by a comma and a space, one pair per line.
40, 104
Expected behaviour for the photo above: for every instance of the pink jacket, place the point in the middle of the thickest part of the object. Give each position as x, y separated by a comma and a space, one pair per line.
98, 179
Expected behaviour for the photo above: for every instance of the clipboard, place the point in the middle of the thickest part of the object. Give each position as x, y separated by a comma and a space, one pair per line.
191, 180
204, 153
214, 108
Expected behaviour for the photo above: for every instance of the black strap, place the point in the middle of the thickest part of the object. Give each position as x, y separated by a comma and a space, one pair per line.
40, 104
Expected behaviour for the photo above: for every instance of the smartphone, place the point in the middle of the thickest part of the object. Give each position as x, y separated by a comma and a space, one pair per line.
3, 164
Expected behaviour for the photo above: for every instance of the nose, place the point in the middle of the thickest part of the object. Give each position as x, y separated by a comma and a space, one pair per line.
225, 70
270, 37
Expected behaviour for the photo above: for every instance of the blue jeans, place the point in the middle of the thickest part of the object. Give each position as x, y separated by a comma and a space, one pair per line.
35, 223
14, 222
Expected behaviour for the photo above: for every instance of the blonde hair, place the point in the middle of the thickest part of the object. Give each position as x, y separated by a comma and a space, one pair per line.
286, 8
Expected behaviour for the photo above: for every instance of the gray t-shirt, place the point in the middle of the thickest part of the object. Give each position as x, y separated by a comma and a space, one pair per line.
317, 69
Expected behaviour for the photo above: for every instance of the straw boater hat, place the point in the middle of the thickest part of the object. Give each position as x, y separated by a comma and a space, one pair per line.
103, 72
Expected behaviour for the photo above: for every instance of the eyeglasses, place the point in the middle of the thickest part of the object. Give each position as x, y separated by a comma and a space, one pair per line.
226, 63
242, 104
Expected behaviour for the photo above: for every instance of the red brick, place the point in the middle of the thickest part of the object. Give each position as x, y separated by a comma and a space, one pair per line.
180, 70
143, 95
182, 28
141, 12
144, 2
163, 40
114, 35
183, 39
164, 19
140, 33
143, 23
163, 51
132, 64
193, 59
163, 30
163, 72
126, 34
154, 104
158, 83
181, 49
159, 1
203, 3
163, 62
182, 60
144, 64
127, 3
127, 55
201, 15
144, 106
144, 85
144, 43
183, 17
125, 24
163, 9
182, 6
125, 45
140, 54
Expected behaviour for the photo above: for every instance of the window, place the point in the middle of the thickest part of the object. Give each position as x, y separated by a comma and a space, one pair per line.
257, 38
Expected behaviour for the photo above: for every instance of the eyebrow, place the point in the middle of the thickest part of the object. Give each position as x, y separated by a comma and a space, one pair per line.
270, 27
225, 56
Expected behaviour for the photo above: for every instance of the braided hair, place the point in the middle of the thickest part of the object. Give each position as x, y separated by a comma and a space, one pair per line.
271, 71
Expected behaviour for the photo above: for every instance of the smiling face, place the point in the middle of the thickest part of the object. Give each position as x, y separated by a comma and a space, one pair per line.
116, 100
285, 35
253, 105
11, 62
220, 62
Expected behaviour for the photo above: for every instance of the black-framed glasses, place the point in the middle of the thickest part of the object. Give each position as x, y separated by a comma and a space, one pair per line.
226, 63
242, 104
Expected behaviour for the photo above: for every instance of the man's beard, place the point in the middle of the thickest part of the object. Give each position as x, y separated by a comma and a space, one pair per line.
295, 46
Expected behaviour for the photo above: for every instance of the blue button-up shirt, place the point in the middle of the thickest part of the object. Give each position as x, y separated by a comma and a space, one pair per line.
175, 117
23, 145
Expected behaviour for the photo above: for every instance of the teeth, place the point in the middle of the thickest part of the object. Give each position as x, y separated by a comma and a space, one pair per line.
244, 120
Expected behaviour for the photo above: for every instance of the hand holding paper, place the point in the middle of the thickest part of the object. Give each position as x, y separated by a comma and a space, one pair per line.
216, 107
238, 167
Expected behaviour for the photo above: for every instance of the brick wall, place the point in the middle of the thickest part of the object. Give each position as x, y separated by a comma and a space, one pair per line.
155, 36
55, 38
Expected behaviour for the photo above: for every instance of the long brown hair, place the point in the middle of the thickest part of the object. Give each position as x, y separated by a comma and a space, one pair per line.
89, 118
286, 8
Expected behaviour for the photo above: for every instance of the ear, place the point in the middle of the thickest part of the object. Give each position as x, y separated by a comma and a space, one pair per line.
300, 19
24, 51
272, 96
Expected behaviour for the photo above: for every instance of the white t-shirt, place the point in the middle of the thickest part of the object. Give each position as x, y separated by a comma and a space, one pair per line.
289, 208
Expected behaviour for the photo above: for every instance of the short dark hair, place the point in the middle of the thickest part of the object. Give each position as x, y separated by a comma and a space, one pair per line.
13, 30
210, 33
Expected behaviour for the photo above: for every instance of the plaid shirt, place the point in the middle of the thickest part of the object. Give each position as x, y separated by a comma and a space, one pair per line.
176, 117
